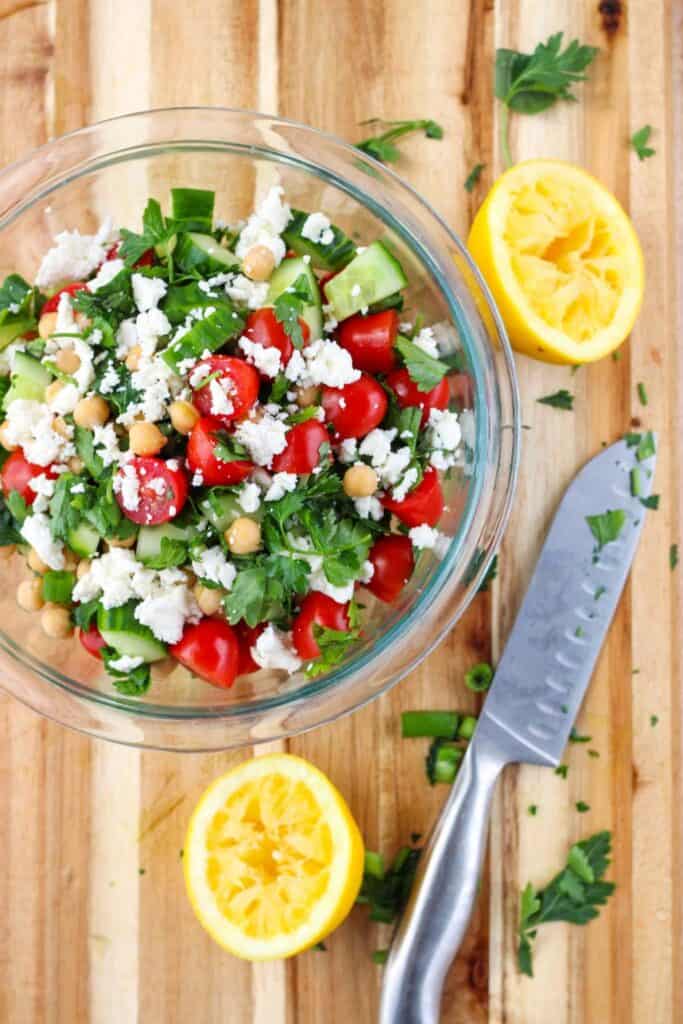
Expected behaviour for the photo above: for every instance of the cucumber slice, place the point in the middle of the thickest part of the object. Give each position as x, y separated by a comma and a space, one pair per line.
222, 508
204, 254
122, 631
84, 540
9, 332
150, 537
194, 206
333, 256
370, 277
212, 333
29, 379
284, 276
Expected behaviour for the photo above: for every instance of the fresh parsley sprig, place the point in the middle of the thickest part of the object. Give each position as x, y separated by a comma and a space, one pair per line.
289, 306
562, 399
156, 230
574, 895
383, 146
424, 370
639, 142
528, 83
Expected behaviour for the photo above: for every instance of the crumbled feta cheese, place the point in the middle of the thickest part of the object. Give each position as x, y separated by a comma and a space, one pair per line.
126, 663
199, 373
369, 508
367, 572
212, 565
249, 497
110, 380
331, 323
273, 649
328, 363
126, 338
107, 272
150, 326
30, 426
427, 537
408, 481
167, 611
219, 388
197, 478
74, 257
106, 444
347, 452
281, 484
377, 445
78, 489
148, 292
36, 530
319, 581
318, 228
296, 367
444, 429
389, 465
66, 321
427, 342
42, 484
265, 359
263, 439
152, 379
252, 294
127, 485
265, 226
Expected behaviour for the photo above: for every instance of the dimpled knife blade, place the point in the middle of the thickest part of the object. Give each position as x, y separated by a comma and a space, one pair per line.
549, 658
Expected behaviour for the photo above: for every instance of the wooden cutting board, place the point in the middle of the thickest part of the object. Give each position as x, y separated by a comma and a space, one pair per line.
94, 925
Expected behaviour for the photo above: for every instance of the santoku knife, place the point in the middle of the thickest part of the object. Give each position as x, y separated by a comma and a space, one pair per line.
539, 684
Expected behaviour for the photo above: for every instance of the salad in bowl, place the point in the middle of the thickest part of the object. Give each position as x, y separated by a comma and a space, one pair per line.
222, 440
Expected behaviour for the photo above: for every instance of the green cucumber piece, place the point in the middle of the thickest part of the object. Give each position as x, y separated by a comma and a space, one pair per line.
333, 256
371, 276
122, 631
84, 540
222, 508
29, 379
193, 206
394, 301
150, 537
58, 586
212, 333
284, 276
12, 330
202, 253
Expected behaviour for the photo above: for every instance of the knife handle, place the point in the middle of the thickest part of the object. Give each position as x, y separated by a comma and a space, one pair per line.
444, 891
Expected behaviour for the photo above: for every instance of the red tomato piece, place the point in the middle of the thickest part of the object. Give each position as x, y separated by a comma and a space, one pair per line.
239, 382
211, 650
200, 455
17, 472
302, 453
393, 561
422, 505
317, 609
247, 635
355, 409
370, 340
265, 329
408, 393
92, 640
68, 289
162, 490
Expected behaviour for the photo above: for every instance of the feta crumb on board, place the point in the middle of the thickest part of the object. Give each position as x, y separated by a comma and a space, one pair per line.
273, 649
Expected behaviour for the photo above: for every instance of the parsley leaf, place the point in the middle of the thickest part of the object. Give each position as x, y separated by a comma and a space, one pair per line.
288, 307
344, 543
424, 370
124, 393
85, 446
606, 527
473, 177
386, 891
112, 302
639, 142
530, 83
8, 531
17, 506
172, 552
673, 556
562, 399
133, 683
574, 895
155, 231
85, 614
265, 589
382, 147
334, 645
651, 502
228, 449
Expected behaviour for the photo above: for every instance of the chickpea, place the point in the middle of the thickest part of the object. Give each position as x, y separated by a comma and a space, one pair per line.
75, 464
307, 396
83, 568
52, 390
91, 412
133, 358
47, 325
183, 416
35, 562
244, 536
6, 552
30, 595
67, 360
56, 622
7, 445
70, 561
82, 320
209, 600
360, 481
145, 438
121, 542
259, 263
61, 427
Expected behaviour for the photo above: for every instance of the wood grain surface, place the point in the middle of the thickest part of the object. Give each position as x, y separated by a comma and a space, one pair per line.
94, 924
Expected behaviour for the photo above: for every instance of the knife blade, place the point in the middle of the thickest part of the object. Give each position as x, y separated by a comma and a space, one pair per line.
527, 717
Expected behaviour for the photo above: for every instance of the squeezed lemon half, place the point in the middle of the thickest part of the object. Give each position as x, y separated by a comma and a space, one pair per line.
273, 859
562, 260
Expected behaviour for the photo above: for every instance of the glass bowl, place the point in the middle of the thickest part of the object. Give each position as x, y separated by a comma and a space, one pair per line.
110, 169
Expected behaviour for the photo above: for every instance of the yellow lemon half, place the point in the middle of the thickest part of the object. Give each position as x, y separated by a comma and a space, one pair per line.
562, 260
273, 859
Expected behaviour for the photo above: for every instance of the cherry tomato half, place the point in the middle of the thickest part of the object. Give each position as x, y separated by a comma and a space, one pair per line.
317, 609
200, 455
247, 635
238, 381
52, 303
17, 473
423, 505
355, 409
302, 453
408, 393
392, 558
162, 490
92, 640
370, 340
265, 329
211, 650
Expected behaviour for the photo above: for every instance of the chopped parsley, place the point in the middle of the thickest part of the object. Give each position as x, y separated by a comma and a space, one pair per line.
606, 527
562, 770
562, 399
582, 807
639, 142
424, 370
473, 177
654, 719
383, 146
289, 306
673, 556
642, 393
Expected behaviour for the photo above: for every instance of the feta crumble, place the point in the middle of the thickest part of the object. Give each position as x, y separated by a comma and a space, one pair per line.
36, 530
74, 257
107, 272
318, 228
263, 439
266, 360
212, 565
273, 649
265, 226
426, 537
280, 485
148, 292
249, 497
